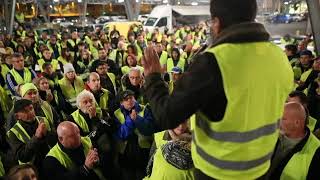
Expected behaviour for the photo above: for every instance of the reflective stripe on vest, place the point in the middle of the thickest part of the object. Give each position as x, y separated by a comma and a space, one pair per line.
298, 166
180, 64
27, 77
241, 144
79, 119
65, 160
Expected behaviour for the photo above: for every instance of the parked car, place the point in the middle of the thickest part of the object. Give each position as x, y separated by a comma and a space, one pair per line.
298, 17
102, 19
280, 18
62, 22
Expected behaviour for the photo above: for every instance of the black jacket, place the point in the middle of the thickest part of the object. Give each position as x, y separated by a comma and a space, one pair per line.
35, 147
53, 170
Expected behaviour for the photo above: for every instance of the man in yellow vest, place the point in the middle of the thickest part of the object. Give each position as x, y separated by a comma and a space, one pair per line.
18, 74
105, 100
134, 130
134, 81
107, 79
28, 137
42, 109
300, 97
73, 157
234, 96
297, 153
47, 58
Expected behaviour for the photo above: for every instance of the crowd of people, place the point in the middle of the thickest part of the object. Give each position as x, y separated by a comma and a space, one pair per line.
75, 106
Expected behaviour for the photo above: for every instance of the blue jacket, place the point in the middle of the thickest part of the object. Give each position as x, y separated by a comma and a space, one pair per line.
145, 124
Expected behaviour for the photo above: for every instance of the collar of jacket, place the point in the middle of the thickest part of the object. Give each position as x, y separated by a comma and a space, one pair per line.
71, 152
85, 116
99, 93
284, 162
242, 33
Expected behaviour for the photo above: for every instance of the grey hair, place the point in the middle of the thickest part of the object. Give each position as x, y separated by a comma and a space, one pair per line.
135, 69
83, 94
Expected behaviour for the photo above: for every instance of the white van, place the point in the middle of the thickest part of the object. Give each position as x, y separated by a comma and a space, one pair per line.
166, 16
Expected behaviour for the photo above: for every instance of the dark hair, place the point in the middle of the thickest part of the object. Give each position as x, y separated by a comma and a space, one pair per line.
291, 47
177, 51
16, 55
46, 64
303, 98
13, 171
232, 12
134, 49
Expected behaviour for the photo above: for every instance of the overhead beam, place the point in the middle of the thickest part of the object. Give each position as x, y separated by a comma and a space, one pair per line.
132, 9
314, 14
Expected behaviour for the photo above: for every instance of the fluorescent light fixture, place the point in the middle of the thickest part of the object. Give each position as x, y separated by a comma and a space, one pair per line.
194, 3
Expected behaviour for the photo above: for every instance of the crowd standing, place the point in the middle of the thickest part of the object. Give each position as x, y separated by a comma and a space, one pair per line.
76, 105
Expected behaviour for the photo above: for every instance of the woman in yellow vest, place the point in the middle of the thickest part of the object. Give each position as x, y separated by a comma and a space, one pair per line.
71, 85
176, 60
303, 68
65, 57
130, 62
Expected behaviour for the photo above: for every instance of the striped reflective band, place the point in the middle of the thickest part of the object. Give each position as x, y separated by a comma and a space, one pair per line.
231, 165
233, 136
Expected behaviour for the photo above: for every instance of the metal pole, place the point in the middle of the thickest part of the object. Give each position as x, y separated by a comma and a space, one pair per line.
314, 13
13, 10
129, 10
6, 15
132, 9
85, 4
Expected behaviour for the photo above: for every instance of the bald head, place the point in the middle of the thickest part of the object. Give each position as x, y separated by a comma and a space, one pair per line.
69, 135
293, 122
296, 110
93, 75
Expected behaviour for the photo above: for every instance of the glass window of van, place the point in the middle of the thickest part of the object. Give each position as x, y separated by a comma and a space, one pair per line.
162, 22
150, 21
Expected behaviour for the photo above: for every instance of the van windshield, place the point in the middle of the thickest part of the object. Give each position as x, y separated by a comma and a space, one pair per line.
150, 21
